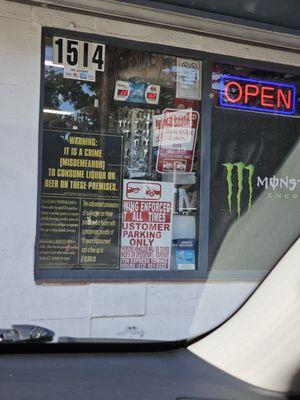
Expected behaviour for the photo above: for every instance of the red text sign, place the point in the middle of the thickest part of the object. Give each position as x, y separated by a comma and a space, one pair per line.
177, 139
146, 225
257, 95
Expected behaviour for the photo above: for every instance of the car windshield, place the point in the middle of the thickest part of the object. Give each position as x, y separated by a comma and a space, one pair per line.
168, 188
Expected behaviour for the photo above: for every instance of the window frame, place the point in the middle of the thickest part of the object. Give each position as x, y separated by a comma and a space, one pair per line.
61, 275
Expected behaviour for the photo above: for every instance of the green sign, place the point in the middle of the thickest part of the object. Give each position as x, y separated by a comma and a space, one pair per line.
242, 175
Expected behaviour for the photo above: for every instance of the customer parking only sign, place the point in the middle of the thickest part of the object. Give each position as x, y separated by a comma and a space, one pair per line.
146, 225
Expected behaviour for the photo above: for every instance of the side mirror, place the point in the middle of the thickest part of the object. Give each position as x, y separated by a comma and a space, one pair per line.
26, 333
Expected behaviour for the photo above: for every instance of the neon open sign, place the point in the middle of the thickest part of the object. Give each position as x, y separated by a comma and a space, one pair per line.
257, 95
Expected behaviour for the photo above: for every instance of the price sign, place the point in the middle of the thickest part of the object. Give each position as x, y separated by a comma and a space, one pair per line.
141, 92
80, 59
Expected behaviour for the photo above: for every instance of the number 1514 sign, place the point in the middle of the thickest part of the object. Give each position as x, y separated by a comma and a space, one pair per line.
80, 59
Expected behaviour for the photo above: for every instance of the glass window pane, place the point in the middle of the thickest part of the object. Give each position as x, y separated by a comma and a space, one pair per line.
120, 174
255, 182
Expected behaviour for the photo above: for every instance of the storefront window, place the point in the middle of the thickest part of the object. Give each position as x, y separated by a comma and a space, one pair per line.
255, 182
120, 167
119, 186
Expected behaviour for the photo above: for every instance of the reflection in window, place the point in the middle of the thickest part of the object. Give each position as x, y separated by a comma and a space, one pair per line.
122, 152
255, 182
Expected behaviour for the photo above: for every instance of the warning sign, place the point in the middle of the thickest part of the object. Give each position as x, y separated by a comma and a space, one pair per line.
146, 225
177, 130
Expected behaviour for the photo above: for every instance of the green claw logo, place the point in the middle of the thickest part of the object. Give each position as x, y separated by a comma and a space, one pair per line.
239, 167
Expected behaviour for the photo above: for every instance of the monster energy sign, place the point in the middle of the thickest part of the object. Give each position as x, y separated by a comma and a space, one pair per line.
244, 173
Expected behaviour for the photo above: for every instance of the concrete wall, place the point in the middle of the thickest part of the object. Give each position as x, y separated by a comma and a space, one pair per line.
118, 310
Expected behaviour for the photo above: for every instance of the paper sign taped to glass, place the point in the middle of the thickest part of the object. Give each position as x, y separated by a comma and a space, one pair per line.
146, 225
185, 254
80, 59
82, 74
188, 79
176, 137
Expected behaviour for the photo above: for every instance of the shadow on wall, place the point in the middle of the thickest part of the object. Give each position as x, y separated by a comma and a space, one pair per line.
295, 386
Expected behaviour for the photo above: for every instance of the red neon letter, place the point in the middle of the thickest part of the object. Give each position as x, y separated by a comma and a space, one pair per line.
267, 96
249, 93
286, 102
226, 89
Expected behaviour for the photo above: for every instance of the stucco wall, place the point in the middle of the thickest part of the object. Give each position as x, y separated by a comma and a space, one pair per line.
118, 310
